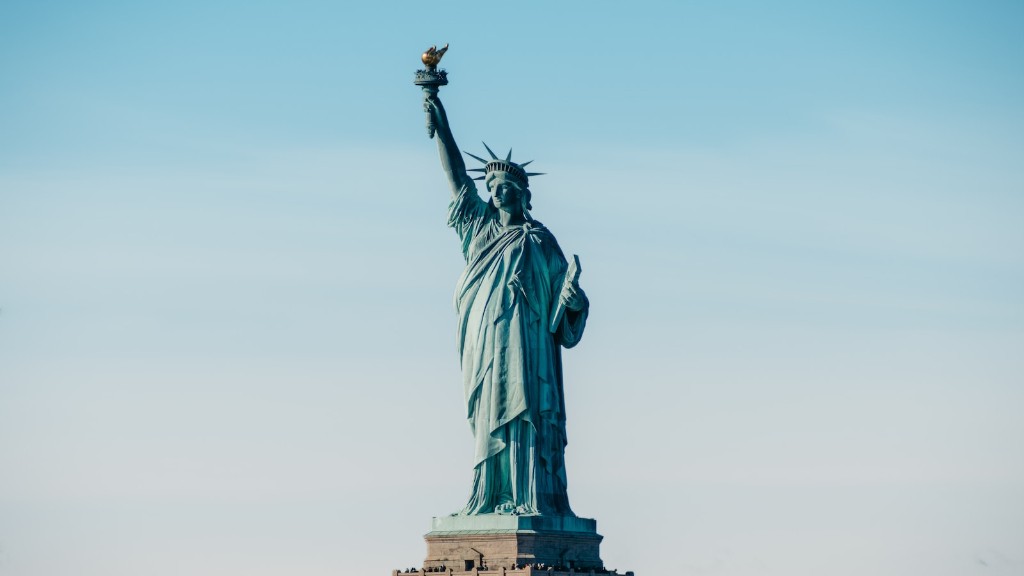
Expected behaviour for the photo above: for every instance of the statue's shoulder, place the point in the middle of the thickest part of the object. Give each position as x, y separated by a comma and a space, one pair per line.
544, 235
538, 227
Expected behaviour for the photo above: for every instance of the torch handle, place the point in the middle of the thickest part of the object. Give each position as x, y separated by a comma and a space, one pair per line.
429, 91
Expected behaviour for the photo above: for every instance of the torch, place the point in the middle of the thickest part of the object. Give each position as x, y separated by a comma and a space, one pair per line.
431, 79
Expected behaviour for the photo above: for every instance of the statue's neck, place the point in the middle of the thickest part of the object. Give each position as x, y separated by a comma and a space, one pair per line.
511, 218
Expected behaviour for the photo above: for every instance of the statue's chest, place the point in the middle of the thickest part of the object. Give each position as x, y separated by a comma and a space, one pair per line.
518, 252
494, 240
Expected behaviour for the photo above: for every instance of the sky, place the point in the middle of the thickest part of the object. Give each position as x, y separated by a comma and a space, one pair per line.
227, 342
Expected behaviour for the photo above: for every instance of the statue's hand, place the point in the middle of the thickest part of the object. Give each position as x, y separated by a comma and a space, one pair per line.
436, 117
574, 297
431, 110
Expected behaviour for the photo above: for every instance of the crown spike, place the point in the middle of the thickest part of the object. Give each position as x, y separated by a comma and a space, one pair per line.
476, 170
508, 158
480, 178
479, 159
536, 173
489, 151
525, 163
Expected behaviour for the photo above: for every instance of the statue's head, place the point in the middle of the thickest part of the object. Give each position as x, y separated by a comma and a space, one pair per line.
507, 182
507, 192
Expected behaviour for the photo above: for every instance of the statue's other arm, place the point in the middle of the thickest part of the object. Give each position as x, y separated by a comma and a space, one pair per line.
577, 308
451, 158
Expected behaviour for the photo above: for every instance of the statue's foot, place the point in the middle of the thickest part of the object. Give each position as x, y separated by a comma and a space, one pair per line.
505, 508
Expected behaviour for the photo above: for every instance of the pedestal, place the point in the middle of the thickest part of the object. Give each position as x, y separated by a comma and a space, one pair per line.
491, 542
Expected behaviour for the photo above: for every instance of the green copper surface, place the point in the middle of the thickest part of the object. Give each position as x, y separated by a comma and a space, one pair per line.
516, 311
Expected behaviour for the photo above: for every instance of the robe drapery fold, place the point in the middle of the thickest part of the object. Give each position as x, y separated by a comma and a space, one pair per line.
511, 361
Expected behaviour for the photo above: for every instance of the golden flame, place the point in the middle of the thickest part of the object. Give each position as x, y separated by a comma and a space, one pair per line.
432, 56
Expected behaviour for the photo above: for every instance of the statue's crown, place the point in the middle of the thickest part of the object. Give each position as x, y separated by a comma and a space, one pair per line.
507, 166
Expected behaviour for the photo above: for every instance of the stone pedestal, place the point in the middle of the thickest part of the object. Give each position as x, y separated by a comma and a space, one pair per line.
470, 543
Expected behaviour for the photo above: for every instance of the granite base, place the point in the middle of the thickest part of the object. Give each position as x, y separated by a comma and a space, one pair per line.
493, 542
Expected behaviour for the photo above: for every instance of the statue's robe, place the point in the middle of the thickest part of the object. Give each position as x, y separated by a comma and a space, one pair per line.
511, 361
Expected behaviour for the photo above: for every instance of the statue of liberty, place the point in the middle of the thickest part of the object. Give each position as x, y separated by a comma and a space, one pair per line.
518, 303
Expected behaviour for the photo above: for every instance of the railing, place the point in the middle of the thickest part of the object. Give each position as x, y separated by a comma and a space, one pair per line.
524, 571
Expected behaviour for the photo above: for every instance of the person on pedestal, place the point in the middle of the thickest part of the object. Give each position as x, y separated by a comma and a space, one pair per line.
510, 334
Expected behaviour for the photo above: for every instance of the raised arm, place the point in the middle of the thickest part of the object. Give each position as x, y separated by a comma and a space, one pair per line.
451, 158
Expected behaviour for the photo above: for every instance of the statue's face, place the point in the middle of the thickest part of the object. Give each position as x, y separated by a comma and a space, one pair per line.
505, 193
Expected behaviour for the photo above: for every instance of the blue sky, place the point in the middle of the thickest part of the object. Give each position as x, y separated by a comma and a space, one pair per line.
226, 334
